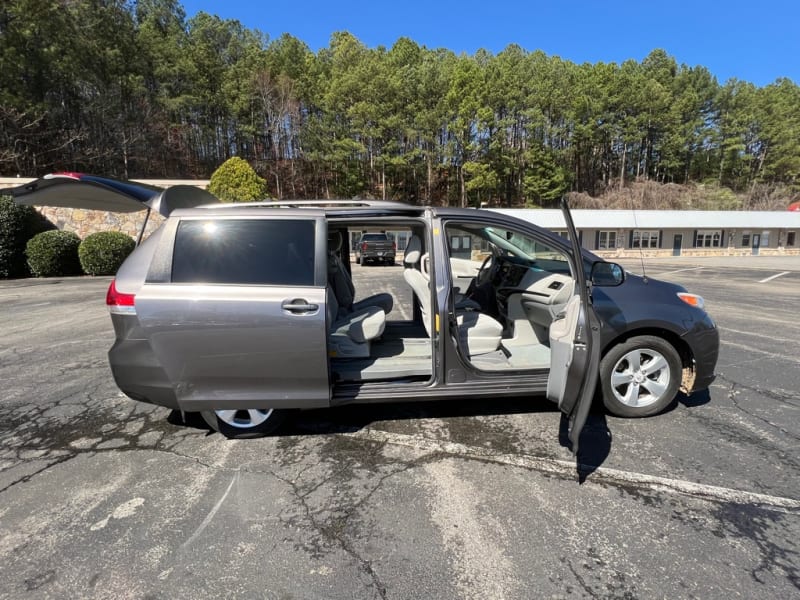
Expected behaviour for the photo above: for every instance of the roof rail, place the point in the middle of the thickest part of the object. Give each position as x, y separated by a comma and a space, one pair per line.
313, 204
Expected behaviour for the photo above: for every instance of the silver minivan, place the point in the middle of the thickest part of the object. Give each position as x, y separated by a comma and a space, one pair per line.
244, 312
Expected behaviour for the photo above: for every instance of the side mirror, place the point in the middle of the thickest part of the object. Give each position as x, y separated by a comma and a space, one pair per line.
607, 274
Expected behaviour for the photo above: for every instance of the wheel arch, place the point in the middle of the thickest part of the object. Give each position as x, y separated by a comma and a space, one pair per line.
675, 340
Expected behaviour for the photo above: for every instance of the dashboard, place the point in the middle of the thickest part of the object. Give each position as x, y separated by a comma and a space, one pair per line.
539, 293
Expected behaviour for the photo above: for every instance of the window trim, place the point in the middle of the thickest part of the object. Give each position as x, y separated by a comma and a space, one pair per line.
319, 236
747, 238
653, 238
600, 233
712, 236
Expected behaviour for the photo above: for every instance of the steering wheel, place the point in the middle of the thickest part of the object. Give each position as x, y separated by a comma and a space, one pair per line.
485, 272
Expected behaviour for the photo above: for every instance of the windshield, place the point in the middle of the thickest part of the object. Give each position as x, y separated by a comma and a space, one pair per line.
521, 245
474, 243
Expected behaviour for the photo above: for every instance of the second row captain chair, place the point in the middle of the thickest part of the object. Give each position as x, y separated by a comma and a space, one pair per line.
351, 333
342, 284
353, 325
478, 332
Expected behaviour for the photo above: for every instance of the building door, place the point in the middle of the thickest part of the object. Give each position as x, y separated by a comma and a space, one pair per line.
677, 244
756, 243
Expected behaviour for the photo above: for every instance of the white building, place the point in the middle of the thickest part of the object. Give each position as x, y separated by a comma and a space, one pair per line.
675, 232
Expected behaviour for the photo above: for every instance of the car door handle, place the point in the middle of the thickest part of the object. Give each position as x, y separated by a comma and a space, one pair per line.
299, 306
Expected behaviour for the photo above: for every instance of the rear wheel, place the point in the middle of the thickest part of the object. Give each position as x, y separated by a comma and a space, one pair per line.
640, 377
244, 423
358, 260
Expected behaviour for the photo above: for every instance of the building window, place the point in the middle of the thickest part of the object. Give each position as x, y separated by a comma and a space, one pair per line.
765, 239
745, 239
644, 239
400, 238
460, 242
790, 238
606, 240
708, 238
562, 233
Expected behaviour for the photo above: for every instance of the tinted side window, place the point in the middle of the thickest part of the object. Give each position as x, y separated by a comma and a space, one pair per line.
260, 252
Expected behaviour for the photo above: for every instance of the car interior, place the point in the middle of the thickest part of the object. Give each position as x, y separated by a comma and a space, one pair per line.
507, 290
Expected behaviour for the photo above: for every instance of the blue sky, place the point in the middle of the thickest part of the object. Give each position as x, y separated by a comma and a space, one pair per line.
753, 41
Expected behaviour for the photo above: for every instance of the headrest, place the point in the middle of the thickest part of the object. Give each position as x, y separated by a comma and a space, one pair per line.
335, 241
413, 250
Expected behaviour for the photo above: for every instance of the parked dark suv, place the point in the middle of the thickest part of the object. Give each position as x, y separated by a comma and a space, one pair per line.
243, 311
375, 247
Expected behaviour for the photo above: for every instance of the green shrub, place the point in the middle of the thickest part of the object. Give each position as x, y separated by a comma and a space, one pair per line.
54, 253
102, 253
18, 224
236, 181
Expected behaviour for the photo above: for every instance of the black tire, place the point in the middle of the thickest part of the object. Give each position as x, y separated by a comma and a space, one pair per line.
358, 260
274, 419
641, 389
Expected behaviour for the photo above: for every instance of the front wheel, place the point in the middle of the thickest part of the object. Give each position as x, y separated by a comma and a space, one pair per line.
244, 423
640, 377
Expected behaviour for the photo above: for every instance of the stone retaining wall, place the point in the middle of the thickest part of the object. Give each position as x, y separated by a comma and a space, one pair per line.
85, 222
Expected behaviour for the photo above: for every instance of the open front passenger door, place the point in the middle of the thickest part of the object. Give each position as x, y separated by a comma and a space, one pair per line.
574, 347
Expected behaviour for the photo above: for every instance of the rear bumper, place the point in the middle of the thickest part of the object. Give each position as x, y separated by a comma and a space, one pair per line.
379, 255
138, 374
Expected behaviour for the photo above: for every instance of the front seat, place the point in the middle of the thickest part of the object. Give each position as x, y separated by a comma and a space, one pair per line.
342, 284
478, 332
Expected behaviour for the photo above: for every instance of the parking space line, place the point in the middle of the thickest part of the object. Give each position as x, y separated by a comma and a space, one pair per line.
750, 348
766, 279
771, 338
210, 515
680, 271
567, 469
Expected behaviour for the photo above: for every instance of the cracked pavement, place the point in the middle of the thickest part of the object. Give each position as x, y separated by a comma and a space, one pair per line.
104, 497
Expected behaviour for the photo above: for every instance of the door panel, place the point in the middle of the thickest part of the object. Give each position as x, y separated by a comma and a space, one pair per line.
574, 348
240, 321
565, 364
239, 346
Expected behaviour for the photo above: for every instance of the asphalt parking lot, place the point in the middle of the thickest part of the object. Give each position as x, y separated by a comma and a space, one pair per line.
102, 497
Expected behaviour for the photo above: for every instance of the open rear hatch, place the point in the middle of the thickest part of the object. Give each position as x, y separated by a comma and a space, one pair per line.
78, 190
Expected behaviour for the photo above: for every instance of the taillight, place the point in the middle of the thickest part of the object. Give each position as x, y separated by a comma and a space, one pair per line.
394, 246
119, 303
363, 246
